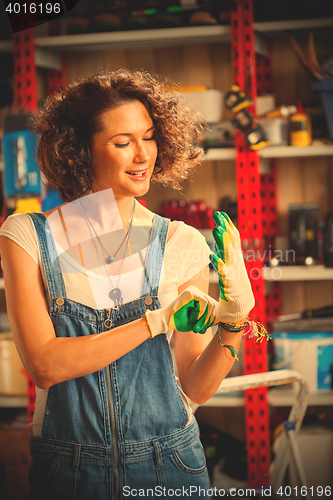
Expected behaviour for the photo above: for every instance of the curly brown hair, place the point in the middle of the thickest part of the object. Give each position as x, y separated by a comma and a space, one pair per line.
70, 119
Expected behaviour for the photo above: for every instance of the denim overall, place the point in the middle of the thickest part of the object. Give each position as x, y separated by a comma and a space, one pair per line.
123, 431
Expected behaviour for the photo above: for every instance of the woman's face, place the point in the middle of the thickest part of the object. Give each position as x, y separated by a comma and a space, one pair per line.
125, 151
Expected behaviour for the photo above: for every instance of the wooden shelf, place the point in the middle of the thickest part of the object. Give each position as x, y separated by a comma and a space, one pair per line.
220, 154
279, 27
290, 273
276, 397
229, 400
298, 273
13, 401
223, 154
294, 151
285, 397
136, 39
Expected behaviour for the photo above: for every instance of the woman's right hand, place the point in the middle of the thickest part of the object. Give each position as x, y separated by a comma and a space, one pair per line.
191, 311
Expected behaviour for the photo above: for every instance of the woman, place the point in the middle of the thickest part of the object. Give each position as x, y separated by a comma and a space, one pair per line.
84, 288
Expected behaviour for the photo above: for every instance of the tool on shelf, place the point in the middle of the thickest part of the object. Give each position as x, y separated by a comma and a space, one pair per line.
303, 220
237, 102
321, 312
310, 63
280, 112
243, 119
235, 99
328, 241
256, 137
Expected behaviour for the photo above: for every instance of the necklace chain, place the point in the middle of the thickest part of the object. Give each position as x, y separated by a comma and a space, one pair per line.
115, 293
109, 257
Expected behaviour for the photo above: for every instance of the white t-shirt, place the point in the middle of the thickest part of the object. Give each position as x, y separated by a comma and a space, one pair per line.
186, 254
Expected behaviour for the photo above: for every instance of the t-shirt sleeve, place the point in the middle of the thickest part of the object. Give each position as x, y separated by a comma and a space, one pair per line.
187, 253
20, 228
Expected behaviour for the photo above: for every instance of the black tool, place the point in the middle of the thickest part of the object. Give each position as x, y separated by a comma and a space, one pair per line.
328, 240
321, 312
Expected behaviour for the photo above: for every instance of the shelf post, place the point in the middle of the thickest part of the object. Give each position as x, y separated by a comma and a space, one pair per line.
25, 87
25, 101
250, 228
268, 191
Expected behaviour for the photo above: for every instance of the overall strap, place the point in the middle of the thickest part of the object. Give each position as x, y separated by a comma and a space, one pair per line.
52, 269
155, 254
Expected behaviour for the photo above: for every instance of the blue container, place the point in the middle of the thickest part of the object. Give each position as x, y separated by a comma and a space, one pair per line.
309, 353
326, 89
21, 171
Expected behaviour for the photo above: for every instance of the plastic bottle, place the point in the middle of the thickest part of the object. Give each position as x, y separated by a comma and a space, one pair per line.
300, 127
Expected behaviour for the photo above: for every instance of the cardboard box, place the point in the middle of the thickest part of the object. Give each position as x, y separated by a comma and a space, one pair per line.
316, 449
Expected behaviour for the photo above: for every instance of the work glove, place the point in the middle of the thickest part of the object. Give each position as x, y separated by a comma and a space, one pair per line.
191, 311
236, 297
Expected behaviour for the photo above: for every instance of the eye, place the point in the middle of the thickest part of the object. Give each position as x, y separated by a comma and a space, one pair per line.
152, 138
122, 145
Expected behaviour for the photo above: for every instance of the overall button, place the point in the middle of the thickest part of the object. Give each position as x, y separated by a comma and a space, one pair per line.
60, 301
148, 301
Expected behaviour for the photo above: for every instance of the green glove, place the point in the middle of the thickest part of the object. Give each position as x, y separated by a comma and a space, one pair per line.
191, 311
236, 296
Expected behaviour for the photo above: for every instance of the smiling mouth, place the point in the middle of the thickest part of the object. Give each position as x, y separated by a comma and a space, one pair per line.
139, 174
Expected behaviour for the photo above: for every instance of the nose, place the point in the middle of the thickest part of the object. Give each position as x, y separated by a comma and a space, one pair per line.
141, 153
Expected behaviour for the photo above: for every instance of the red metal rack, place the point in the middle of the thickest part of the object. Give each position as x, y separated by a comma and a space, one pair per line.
250, 217
25, 85
25, 101
25, 93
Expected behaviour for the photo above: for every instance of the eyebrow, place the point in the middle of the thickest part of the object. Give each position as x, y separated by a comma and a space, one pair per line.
128, 134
